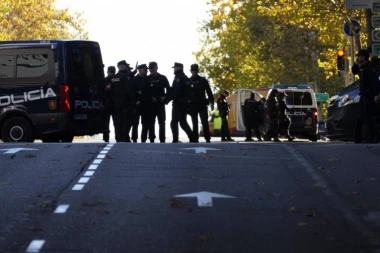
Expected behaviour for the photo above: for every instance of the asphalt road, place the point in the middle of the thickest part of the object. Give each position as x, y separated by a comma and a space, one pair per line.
183, 198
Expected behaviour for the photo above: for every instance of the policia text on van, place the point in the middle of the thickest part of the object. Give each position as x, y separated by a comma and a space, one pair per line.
50, 90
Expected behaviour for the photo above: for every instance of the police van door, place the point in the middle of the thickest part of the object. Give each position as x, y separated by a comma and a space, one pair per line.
243, 94
86, 86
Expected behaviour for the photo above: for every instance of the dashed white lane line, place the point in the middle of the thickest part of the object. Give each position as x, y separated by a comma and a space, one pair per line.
97, 161
104, 152
83, 180
93, 167
89, 173
61, 209
35, 246
78, 187
100, 157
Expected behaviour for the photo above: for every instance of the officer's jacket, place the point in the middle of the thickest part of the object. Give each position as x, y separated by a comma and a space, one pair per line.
155, 86
368, 85
281, 107
137, 87
118, 89
223, 107
130, 91
178, 89
271, 107
108, 90
251, 109
196, 89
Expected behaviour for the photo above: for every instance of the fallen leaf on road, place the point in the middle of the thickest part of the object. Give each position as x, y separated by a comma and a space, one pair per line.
92, 153
102, 211
206, 156
13, 156
323, 222
35, 228
301, 224
88, 204
332, 159
29, 210
320, 185
161, 186
148, 197
310, 215
195, 178
243, 209
373, 179
42, 204
356, 193
273, 194
259, 183
42, 195
68, 146
203, 238
293, 209
177, 203
46, 177
85, 163
331, 238
245, 153
135, 211
321, 168
357, 181
29, 156
109, 157
102, 202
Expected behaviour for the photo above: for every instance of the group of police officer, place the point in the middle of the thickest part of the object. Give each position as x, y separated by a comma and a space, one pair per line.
130, 97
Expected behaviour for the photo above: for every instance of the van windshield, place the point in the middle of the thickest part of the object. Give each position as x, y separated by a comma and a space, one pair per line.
298, 98
84, 59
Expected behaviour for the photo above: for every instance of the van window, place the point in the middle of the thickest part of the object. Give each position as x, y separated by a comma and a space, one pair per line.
32, 65
298, 98
84, 60
7, 66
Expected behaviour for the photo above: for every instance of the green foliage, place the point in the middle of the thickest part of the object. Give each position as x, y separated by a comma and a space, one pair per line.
38, 19
254, 44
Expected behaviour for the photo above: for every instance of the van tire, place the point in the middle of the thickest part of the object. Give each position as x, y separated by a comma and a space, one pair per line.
67, 138
314, 138
17, 129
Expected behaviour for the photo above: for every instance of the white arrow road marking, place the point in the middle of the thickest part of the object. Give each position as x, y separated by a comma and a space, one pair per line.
15, 150
204, 198
199, 150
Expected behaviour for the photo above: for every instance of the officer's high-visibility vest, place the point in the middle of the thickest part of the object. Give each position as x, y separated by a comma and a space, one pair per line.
217, 120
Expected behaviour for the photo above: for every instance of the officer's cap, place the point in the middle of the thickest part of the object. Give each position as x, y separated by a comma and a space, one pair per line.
274, 91
123, 62
152, 64
194, 67
226, 92
177, 65
363, 52
111, 69
142, 66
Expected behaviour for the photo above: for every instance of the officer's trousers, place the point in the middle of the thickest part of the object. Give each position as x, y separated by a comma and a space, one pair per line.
135, 124
119, 117
249, 125
179, 114
132, 117
109, 114
153, 110
201, 109
225, 131
283, 126
367, 106
272, 129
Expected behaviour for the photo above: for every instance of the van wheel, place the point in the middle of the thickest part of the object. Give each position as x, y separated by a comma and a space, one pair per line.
314, 138
67, 138
17, 129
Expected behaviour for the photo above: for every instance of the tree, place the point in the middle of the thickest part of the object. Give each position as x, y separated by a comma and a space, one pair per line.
38, 19
257, 43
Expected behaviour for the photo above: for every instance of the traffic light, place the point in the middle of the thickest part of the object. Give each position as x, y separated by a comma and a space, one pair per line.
341, 60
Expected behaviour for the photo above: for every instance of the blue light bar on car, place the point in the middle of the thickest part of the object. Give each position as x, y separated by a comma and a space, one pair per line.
291, 86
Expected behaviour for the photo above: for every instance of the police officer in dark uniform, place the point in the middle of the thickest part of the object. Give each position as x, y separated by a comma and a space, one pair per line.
197, 102
284, 120
271, 111
369, 91
224, 110
109, 107
155, 89
137, 86
179, 111
118, 98
251, 109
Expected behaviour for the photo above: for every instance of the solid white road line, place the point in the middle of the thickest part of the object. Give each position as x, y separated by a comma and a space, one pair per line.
78, 187
35, 246
83, 180
61, 209
89, 173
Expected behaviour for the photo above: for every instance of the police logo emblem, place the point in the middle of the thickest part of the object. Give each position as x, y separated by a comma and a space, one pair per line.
52, 104
192, 86
151, 85
177, 80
